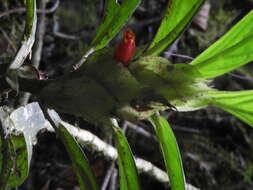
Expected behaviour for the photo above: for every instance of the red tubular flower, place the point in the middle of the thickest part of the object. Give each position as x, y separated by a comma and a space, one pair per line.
126, 49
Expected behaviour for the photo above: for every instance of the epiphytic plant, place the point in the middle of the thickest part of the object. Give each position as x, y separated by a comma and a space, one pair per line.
102, 89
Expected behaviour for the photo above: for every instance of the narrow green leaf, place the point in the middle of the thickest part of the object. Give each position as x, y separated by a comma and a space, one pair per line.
170, 150
231, 51
128, 171
115, 17
111, 8
240, 103
178, 15
80, 163
28, 37
30, 17
122, 176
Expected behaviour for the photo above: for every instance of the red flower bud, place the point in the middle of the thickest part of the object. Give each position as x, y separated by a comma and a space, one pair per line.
126, 49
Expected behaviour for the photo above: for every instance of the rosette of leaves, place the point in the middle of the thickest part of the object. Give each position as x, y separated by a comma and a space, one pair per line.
102, 88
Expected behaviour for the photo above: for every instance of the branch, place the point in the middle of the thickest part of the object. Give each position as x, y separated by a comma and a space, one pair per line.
23, 10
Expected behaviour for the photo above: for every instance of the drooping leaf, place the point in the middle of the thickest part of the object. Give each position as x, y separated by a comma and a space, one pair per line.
170, 151
178, 15
240, 103
128, 171
80, 163
231, 51
116, 16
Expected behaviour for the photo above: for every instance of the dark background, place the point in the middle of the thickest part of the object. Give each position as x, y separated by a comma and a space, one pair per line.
216, 147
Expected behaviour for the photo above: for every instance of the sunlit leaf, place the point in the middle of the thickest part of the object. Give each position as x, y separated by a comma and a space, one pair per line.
170, 150
231, 51
177, 16
240, 103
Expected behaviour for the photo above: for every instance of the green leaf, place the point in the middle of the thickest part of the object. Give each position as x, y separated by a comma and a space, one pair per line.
231, 51
170, 150
28, 37
19, 157
239, 103
30, 17
127, 168
111, 8
115, 17
122, 176
80, 163
14, 161
178, 15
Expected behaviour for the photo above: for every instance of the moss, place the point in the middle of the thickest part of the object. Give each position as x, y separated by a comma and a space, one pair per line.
78, 15
195, 41
218, 23
248, 173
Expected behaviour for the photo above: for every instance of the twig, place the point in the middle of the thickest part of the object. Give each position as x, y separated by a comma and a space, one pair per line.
8, 39
108, 176
179, 55
17, 10
65, 36
173, 48
185, 129
240, 76
139, 130
23, 9
59, 34
113, 184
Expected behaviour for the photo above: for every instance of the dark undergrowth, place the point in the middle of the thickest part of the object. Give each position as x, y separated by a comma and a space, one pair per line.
216, 148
